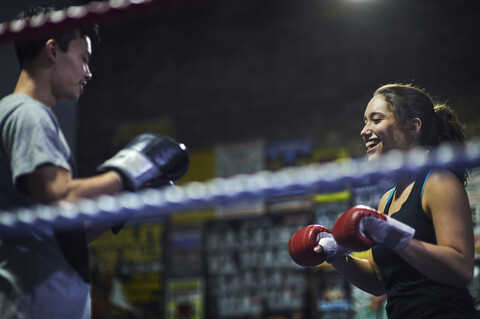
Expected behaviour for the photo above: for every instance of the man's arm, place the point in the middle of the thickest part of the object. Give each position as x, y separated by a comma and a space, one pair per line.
147, 160
49, 184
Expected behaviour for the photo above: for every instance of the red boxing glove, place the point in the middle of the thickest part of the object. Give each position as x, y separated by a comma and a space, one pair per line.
359, 227
302, 244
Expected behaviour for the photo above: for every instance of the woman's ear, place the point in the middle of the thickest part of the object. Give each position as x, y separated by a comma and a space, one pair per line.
415, 126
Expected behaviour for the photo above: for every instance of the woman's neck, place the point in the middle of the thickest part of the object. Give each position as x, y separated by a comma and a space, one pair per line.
402, 181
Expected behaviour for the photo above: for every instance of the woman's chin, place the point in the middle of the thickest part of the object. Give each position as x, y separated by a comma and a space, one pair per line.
372, 156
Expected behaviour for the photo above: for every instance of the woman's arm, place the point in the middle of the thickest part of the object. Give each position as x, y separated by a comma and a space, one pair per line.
363, 273
451, 261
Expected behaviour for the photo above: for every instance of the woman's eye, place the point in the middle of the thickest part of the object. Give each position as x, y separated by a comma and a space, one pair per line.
376, 121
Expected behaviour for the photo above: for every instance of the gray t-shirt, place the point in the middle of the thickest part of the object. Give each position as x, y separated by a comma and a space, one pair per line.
36, 280
30, 137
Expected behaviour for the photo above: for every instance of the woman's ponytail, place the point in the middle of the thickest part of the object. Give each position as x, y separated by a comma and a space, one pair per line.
449, 128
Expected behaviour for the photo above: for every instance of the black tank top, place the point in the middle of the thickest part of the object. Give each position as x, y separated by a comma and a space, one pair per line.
411, 294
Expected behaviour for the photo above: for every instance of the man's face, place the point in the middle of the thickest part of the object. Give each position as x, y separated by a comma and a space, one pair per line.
71, 70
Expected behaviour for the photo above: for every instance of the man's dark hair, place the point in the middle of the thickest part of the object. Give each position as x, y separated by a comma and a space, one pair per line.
28, 50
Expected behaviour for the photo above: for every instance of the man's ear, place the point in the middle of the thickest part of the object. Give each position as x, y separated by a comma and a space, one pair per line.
51, 48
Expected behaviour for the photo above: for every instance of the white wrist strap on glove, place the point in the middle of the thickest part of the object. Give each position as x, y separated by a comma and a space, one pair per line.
391, 233
134, 165
330, 247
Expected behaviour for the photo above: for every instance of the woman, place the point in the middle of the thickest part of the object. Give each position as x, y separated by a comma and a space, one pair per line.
428, 276
425, 274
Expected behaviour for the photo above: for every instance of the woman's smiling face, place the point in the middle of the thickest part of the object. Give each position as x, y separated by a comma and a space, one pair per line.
381, 132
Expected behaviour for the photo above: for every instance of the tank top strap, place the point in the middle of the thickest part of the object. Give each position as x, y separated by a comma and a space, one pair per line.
424, 182
421, 180
417, 191
389, 201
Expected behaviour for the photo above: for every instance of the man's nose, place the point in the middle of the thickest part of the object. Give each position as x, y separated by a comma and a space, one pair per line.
88, 75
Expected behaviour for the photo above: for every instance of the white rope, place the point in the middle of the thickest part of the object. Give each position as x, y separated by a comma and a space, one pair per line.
316, 178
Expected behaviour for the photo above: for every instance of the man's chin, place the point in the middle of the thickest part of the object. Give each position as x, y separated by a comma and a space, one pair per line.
69, 99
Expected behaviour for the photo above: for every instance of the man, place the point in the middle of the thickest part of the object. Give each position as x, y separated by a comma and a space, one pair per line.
45, 274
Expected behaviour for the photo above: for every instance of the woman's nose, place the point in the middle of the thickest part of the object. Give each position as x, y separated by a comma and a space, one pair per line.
365, 131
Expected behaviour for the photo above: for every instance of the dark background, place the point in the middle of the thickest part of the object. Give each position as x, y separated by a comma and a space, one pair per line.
216, 72
224, 72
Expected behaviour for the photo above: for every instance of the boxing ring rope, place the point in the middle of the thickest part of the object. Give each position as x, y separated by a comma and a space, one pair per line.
76, 16
319, 177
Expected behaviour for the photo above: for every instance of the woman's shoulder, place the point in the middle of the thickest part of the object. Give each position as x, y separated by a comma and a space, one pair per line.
442, 183
441, 178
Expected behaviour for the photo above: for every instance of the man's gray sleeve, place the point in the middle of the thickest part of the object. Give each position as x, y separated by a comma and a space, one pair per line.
34, 140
